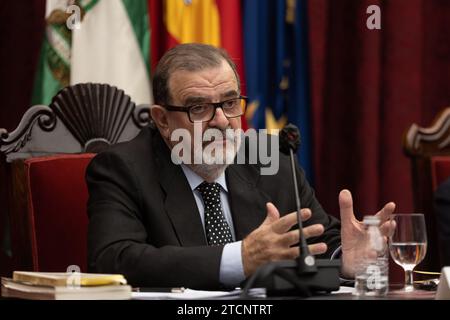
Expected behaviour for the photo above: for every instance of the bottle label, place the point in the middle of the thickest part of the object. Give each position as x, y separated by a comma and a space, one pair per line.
374, 280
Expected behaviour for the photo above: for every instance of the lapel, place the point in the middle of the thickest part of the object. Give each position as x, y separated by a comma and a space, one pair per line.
247, 202
179, 203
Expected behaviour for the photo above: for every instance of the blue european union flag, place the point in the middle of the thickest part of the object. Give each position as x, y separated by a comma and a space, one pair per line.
276, 66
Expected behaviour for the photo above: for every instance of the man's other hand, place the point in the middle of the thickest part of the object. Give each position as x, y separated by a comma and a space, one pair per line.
352, 230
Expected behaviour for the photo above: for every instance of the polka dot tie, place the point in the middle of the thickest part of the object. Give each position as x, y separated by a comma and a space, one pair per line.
217, 229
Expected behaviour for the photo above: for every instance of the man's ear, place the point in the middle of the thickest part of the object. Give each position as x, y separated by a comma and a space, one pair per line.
159, 116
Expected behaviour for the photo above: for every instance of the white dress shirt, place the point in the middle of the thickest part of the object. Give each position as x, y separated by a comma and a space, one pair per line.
231, 267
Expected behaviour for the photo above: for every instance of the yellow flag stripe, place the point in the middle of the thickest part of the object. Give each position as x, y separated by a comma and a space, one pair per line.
193, 21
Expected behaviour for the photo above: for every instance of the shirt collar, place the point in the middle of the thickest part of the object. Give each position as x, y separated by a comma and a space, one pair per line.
195, 180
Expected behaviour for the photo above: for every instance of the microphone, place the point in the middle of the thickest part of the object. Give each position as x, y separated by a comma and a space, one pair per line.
289, 144
305, 275
290, 139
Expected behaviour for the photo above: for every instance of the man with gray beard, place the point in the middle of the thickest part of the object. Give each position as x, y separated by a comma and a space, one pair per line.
169, 208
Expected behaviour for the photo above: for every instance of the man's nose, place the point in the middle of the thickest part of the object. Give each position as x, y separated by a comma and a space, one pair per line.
220, 120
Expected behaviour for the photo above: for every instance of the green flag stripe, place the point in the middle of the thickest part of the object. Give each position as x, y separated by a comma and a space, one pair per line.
138, 15
87, 4
45, 84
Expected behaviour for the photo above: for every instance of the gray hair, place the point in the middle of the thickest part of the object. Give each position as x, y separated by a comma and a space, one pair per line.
190, 57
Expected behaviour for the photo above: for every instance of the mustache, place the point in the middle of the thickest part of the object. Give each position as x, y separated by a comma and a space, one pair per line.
213, 134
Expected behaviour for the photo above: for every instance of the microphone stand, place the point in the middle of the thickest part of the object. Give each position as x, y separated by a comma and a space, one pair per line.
305, 275
306, 261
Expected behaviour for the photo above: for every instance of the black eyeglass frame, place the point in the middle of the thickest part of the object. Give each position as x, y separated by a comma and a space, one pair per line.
216, 105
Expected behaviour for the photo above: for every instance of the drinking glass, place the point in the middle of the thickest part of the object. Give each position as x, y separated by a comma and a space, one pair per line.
408, 244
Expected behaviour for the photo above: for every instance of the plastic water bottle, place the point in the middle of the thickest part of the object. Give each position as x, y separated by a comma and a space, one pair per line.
372, 261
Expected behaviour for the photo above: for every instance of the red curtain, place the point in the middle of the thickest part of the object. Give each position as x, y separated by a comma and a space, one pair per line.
21, 32
368, 86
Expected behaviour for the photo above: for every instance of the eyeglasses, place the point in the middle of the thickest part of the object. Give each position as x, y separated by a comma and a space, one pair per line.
205, 112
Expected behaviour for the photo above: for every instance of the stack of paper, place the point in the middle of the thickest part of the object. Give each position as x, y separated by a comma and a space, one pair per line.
190, 294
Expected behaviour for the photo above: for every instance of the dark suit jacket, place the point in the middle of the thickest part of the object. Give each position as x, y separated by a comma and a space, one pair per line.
442, 208
144, 221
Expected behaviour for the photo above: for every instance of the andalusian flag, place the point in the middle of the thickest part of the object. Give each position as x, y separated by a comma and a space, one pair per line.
111, 46
54, 64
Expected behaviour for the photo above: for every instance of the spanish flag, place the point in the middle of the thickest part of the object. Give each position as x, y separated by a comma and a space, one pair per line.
214, 22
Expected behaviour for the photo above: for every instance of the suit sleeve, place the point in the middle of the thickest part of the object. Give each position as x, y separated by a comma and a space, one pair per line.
117, 238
